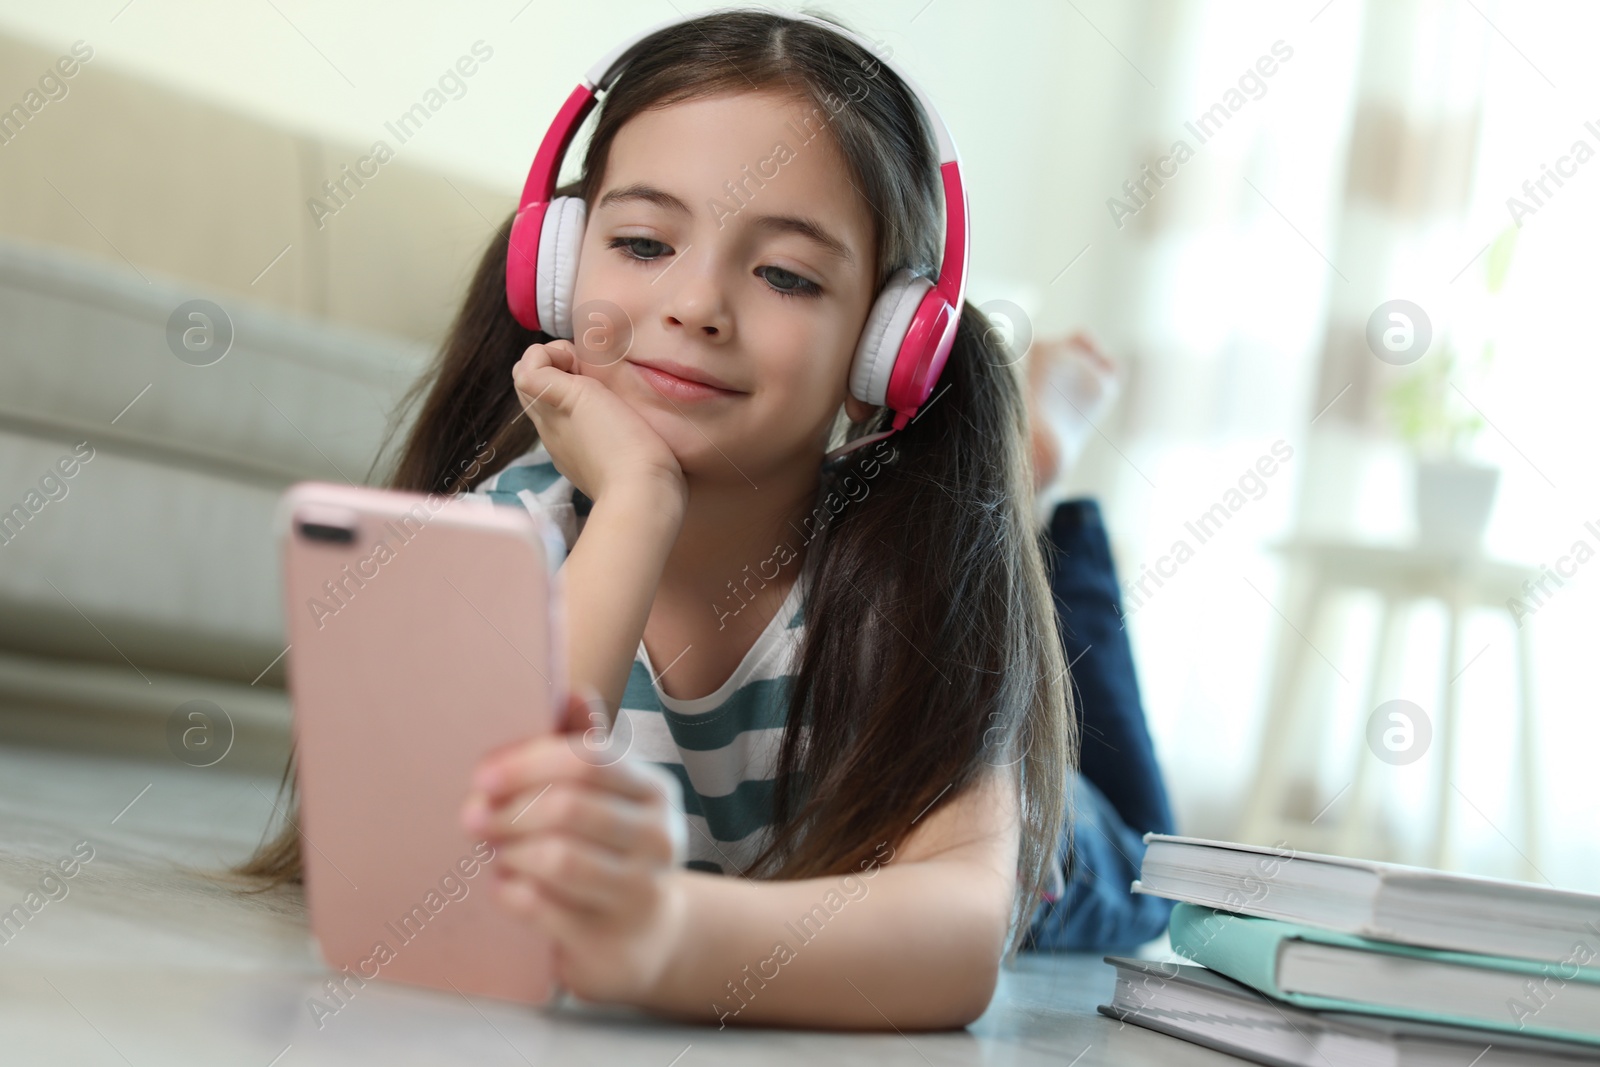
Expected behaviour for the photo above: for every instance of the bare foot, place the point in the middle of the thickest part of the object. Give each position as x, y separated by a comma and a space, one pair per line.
1071, 384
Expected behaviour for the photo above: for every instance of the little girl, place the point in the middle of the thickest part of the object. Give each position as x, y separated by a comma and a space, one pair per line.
852, 672
852, 667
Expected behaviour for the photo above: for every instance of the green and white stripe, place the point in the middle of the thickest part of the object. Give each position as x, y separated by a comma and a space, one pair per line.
721, 747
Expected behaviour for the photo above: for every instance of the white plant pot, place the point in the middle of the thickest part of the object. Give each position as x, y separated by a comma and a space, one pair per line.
1454, 500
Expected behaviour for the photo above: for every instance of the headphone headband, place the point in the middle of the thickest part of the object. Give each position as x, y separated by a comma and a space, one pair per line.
603, 73
911, 328
543, 175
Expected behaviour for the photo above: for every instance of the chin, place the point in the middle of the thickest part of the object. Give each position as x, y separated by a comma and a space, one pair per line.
706, 456
684, 440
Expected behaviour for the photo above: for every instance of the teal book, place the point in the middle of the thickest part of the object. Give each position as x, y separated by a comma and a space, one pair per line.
1324, 970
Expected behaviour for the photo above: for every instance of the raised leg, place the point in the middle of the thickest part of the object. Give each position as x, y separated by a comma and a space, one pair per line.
1119, 793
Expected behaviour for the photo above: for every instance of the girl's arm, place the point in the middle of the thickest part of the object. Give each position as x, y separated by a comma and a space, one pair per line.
609, 581
911, 940
612, 455
915, 944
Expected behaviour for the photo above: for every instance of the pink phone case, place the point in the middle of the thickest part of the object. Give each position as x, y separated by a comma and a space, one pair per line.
421, 636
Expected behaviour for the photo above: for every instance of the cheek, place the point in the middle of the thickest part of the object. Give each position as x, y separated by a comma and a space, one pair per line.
603, 275
624, 381
800, 381
797, 401
608, 315
829, 377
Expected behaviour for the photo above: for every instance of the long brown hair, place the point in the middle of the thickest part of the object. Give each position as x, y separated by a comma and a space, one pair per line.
930, 653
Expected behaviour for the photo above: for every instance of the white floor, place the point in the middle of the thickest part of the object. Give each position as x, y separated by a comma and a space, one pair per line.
141, 962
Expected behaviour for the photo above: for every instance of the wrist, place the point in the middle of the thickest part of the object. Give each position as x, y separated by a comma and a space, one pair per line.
663, 989
663, 497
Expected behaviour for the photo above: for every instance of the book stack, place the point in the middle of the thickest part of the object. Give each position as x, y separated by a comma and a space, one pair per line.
1322, 961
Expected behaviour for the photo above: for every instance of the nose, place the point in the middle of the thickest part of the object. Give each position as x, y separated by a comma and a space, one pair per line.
696, 300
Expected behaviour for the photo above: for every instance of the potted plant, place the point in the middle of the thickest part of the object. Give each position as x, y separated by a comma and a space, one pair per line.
1454, 494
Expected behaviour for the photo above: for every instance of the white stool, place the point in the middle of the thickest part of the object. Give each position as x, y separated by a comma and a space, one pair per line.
1399, 576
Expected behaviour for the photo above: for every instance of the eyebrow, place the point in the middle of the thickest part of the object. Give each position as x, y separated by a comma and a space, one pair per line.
795, 224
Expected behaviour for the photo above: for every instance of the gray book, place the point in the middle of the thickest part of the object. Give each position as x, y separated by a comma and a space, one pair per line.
1203, 1007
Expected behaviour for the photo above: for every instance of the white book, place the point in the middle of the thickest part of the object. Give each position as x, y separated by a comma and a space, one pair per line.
1384, 901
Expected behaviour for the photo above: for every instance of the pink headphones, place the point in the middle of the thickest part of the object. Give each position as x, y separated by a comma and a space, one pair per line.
912, 325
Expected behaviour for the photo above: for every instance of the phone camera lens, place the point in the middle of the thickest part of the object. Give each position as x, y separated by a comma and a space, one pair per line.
321, 531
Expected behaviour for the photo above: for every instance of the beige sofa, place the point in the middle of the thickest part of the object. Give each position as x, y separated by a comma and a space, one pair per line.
149, 576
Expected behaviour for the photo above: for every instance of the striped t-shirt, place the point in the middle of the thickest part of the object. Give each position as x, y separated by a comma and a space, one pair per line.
721, 747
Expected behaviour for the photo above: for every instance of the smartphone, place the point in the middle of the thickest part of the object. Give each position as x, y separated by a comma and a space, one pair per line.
422, 634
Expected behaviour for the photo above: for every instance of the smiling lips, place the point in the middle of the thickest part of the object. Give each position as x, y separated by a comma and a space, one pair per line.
678, 382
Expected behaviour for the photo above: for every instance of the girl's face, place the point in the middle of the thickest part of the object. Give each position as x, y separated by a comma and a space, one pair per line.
731, 248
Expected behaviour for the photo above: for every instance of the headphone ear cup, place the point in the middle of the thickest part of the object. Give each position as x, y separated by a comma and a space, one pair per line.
559, 244
884, 335
522, 265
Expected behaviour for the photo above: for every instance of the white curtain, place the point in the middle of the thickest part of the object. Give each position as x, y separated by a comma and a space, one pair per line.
1339, 155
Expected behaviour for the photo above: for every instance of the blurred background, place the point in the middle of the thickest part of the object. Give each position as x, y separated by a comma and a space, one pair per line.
1342, 251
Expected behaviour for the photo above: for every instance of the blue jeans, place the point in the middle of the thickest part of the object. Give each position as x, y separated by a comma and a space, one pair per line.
1117, 794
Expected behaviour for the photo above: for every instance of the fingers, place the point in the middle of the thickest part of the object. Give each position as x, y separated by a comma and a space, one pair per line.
517, 894
623, 827
558, 758
555, 913
576, 874
542, 368
557, 353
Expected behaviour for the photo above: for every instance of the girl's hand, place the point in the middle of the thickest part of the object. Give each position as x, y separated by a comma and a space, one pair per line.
587, 846
596, 440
